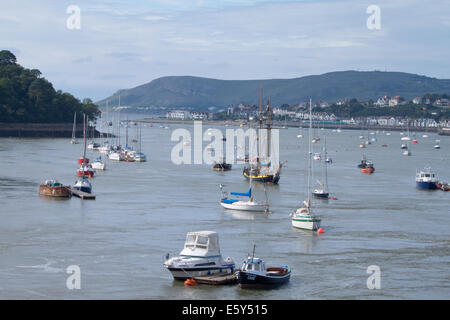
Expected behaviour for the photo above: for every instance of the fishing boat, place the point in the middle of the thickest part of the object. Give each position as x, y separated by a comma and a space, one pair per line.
303, 217
98, 164
74, 140
53, 188
200, 257
426, 179
369, 168
254, 275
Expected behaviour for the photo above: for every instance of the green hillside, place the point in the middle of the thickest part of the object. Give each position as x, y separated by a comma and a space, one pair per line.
27, 97
196, 92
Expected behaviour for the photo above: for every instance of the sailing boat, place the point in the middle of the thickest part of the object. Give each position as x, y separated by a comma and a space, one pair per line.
406, 151
303, 217
74, 140
322, 191
263, 172
83, 183
139, 156
85, 169
249, 205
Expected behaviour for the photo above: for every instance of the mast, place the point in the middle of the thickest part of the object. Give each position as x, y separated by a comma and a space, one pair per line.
268, 131
260, 128
325, 164
309, 153
74, 125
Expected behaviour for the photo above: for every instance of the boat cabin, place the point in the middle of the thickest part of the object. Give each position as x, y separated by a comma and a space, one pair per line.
201, 244
425, 176
254, 265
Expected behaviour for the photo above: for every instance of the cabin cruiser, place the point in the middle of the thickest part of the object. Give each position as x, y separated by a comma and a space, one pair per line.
200, 257
426, 179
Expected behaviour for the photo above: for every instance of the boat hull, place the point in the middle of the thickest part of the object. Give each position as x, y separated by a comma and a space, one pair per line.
58, 192
426, 185
245, 206
248, 280
321, 195
188, 273
307, 223
266, 178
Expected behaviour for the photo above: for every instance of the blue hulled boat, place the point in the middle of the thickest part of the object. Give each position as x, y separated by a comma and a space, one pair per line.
426, 179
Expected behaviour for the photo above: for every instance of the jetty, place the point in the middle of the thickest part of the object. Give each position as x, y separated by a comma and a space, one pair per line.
217, 279
82, 195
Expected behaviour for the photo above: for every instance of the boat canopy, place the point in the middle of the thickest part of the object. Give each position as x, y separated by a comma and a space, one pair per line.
201, 244
248, 194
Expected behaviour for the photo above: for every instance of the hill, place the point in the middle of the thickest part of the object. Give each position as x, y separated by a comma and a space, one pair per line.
201, 93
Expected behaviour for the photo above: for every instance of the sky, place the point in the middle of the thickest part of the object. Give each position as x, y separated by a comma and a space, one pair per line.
122, 44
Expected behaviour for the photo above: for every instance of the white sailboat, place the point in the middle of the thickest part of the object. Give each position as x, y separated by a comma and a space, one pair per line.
303, 217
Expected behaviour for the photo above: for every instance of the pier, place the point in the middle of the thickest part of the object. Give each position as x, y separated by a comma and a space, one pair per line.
217, 279
82, 195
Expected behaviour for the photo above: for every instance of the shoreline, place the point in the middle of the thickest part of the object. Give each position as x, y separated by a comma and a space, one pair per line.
43, 130
282, 125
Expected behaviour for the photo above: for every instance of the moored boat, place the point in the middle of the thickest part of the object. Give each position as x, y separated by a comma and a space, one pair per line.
369, 168
255, 275
200, 257
426, 179
83, 184
53, 188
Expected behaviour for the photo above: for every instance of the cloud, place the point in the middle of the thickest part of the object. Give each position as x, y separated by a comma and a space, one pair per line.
128, 43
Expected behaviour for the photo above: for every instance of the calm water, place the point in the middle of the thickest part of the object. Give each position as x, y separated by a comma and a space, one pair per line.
143, 211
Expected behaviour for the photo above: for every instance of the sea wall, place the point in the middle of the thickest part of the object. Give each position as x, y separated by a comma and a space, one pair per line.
44, 130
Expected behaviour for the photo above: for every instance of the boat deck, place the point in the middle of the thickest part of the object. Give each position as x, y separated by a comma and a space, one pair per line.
82, 195
217, 279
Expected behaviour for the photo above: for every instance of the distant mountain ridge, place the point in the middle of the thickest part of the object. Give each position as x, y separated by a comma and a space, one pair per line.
201, 93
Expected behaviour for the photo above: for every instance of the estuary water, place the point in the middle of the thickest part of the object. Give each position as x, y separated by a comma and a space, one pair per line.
144, 210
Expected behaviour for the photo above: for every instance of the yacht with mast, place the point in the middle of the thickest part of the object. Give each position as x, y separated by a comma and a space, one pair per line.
267, 172
303, 217
74, 140
322, 190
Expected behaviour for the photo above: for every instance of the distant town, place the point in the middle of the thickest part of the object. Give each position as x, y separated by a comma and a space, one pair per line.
428, 111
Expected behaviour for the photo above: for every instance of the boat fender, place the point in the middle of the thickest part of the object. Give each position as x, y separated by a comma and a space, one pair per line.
190, 282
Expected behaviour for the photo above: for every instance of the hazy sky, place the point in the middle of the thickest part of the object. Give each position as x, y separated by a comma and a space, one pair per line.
122, 44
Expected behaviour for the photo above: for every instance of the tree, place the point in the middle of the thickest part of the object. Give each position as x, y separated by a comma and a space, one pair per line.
6, 57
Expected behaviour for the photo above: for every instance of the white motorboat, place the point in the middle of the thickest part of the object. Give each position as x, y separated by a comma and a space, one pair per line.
200, 257
317, 156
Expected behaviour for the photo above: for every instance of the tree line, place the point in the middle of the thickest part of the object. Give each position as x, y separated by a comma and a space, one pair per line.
25, 96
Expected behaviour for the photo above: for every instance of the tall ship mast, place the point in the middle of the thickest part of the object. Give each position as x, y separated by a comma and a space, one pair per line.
260, 171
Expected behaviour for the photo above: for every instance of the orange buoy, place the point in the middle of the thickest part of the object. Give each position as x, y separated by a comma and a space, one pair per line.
190, 282
320, 230
333, 198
